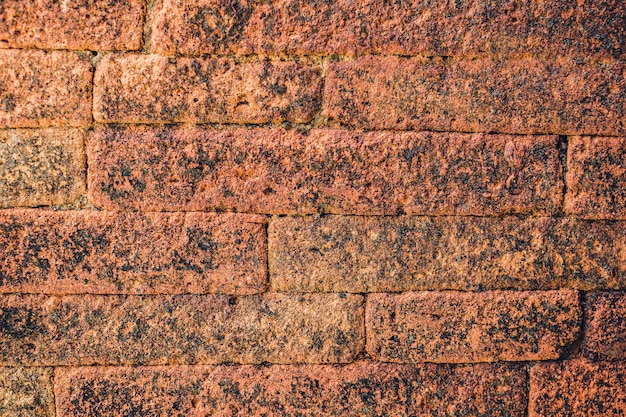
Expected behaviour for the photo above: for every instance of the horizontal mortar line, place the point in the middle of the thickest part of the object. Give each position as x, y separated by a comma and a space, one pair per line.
339, 57
298, 126
269, 216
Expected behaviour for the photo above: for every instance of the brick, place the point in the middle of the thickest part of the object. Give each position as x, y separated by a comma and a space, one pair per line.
457, 327
131, 253
549, 28
578, 388
77, 24
152, 88
596, 177
39, 89
605, 332
179, 329
26, 392
485, 95
404, 253
360, 389
329, 171
41, 167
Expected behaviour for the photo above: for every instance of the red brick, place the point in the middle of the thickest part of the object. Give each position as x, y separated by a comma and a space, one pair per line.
120, 253
578, 388
184, 329
41, 167
457, 327
26, 392
560, 28
605, 332
328, 171
381, 254
76, 24
360, 389
596, 177
485, 95
39, 89
152, 88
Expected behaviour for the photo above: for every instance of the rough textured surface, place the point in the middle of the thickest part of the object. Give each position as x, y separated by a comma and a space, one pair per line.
577, 388
605, 333
473, 27
360, 389
41, 167
26, 392
485, 95
184, 329
71, 24
117, 253
596, 177
152, 88
457, 327
328, 171
39, 89
378, 254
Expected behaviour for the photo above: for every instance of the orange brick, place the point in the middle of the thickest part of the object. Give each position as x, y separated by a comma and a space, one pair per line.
120, 253
457, 327
75, 24
39, 89
577, 388
26, 392
509, 96
41, 167
184, 329
473, 27
403, 253
360, 389
596, 178
605, 332
152, 88
328, 171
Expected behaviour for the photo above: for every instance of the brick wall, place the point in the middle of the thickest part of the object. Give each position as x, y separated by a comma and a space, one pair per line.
312, 208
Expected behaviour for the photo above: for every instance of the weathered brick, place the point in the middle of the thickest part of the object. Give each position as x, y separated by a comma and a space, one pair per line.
578, 388
328, 171
485, 95
41, 167
179, 329
115, 253
552, 28
76, 24
39, 89
26, 392
380, 254
596, 177
457, 327
360, 389
605, 332
152, 88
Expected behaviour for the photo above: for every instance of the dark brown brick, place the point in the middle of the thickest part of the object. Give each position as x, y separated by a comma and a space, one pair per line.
120, 253
152, 88
360, 389
605, 332
485, 95
380, 254
457, 327
328, 171
185, 329
578, 388
76, 24
26, 392
551, 28
39, 89
596, 177
41, 167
